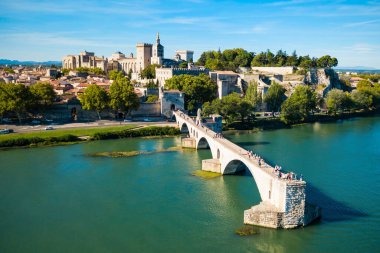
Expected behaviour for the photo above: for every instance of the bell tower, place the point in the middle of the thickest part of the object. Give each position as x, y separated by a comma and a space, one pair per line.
158, 51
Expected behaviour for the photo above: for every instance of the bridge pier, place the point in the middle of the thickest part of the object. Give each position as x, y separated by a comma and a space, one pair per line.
212, 165
189, 143
297, 212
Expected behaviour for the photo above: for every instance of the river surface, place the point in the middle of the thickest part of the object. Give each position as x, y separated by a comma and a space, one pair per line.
57, 199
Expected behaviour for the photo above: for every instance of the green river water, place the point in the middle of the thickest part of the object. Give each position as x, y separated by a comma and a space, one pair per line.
57, 199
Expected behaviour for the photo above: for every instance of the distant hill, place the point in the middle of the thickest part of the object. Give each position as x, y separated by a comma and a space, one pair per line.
358, 69
16, 62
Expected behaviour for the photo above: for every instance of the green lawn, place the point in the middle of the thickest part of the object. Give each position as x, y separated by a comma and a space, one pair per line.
89, 131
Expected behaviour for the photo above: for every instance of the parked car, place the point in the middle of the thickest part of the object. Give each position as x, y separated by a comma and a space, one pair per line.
127, 120
36, 121
7, 120
147, 120
6, 131
49, 128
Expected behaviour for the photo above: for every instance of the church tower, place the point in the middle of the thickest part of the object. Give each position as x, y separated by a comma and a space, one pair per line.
158, 51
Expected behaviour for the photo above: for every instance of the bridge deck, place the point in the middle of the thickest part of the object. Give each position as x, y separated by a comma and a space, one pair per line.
241, 152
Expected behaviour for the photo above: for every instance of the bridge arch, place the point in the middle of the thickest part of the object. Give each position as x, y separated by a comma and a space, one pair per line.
202, 143
184, 128
235, 166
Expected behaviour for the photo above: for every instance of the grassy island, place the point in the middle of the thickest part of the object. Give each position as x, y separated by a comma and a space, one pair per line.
206, 174
246, 230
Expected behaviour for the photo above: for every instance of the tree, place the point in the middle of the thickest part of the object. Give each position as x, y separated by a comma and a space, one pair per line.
370, 89
337, 101
114, 74
94, 98
202, 59
96, 71
43, 94
292, 60
123, 97
152, 99
18, 98
361, 99
151, 85
4, 99
280, 58
183, 65
198, 89
259, 60
364, 84
231, 107
274, 96
327, 62
65, 71
149, 72
299, 105
252, 95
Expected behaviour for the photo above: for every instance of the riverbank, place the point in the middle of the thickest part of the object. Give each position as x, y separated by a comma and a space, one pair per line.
274, 123
72, 136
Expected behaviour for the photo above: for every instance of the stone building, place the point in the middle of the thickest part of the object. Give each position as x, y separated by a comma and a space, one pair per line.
171, 100
146, 54
227, 82
84, 59
184, 55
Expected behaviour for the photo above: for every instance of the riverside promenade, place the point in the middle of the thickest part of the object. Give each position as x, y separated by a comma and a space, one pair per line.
283, 196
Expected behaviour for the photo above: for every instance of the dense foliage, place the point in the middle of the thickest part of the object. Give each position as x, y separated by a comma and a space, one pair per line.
19, 142
147, 131
253, 96
19, 99
95, 71
149, 72
275, 96
198, 89
231, 107
231, 59
95, 98
152, 99
299, 105
114, 74
122, 96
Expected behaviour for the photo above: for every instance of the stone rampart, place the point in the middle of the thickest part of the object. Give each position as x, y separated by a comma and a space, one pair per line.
275, 70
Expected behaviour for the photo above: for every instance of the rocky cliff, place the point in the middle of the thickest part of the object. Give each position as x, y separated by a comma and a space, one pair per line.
326, 79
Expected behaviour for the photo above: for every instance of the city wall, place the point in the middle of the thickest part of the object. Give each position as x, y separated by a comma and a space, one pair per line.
275, 70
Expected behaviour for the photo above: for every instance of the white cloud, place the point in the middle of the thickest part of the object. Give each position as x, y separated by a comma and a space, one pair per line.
363, 48
60, 39
358, 24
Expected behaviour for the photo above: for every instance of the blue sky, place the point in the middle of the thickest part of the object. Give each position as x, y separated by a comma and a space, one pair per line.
47, 30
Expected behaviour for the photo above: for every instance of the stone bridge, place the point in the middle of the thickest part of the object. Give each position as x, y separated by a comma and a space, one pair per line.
283, 200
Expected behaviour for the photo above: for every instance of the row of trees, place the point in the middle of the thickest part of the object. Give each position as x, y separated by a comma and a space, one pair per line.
121, 97
304, 101
19, 99
298, 107
95, 71
231, 59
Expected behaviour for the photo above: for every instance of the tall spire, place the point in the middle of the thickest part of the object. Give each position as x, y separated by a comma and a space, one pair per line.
158, 38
